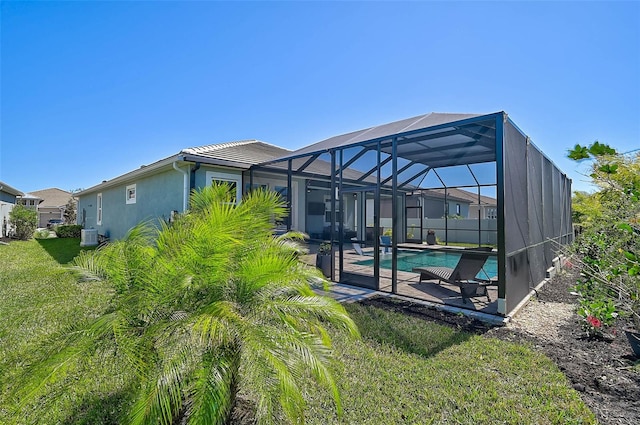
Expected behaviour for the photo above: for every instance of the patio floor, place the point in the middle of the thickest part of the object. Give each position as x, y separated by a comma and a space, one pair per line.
409, 285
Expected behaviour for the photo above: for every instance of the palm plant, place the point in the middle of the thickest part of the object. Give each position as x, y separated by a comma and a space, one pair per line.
213, 306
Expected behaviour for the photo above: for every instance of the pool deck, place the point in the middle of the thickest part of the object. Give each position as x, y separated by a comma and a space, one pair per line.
441, 295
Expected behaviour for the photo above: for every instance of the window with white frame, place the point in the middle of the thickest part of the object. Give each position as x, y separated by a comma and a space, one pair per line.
99, 206
131, 194
234, 180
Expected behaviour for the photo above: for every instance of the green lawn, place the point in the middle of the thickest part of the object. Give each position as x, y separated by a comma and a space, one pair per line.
404, 370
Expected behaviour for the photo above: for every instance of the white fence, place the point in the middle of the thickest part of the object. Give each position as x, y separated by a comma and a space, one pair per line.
463, 230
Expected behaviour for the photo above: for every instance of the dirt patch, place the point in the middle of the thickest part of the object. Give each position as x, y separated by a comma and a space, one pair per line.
602, 370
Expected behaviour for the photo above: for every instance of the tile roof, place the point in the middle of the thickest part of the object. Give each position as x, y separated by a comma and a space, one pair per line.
247, 152
239, 154
52, 197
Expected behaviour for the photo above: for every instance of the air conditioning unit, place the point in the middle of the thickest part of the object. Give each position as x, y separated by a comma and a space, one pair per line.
89, 237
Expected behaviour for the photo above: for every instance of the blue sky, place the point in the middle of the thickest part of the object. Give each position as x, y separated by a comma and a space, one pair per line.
91, 90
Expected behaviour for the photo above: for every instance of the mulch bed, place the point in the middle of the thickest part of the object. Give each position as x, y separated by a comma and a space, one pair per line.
602, 371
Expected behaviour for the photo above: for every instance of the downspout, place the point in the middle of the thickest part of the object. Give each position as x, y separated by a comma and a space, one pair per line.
192, 182
185, 194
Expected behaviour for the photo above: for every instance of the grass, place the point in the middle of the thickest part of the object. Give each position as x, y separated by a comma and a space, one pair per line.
40, 300
62, 250
403, 371
408, 371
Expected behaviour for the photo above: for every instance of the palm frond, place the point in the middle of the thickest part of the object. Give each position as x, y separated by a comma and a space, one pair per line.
212, 394
161, 397
218, 323
271, 372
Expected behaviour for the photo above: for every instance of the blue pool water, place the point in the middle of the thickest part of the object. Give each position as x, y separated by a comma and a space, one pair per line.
407, 260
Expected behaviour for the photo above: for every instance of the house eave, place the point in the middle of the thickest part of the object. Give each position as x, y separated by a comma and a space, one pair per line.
159, 165
10, 190
131, 175
215, 161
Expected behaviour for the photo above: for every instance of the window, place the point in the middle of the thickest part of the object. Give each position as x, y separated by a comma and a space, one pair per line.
457, 209
234, 180
232, 188
99, 205
131, 194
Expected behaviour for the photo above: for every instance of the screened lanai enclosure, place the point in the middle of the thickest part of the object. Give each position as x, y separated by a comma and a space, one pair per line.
428, 192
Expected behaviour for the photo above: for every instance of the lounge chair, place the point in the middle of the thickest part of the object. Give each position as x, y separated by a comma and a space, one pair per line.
463, 275
356, 246
385, 244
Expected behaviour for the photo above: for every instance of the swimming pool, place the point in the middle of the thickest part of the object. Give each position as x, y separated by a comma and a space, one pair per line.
407, 260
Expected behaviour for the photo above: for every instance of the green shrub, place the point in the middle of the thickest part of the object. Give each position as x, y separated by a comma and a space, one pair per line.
68, 231
24, 221
609, 244
41, 234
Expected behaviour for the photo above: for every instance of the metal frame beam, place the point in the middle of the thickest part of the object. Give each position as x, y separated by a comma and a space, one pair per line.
377, 168
394, 218
415, 176
500, 195
308, 162
355, 158
405, 168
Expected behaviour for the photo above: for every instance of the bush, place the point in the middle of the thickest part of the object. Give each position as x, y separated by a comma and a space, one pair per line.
24, 221
68, 231
609, 245
42, 234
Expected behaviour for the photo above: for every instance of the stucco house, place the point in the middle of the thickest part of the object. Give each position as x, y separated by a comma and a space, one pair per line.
8, 199
161, 189
49, 203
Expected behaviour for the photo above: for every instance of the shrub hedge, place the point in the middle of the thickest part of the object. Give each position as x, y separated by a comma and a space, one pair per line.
68, 231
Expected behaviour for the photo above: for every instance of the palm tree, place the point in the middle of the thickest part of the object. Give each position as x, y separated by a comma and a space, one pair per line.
215, 305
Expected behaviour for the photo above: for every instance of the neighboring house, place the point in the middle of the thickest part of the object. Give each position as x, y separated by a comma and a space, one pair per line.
437, 204
161, 189
485, 208
49, 203
8, 199
459, 202
28, 200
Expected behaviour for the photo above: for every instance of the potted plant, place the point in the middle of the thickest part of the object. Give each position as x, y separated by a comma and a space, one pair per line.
323, 258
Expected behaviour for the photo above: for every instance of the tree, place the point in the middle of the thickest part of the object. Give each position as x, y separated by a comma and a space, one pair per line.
609, 246
24, 221
617, 177
69, 213
209, 306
